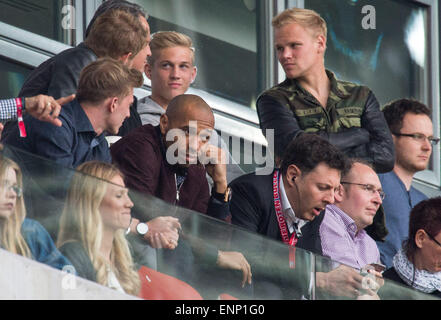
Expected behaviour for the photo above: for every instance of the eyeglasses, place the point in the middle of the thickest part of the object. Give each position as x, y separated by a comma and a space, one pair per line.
6, 186
368, 187
436, 241
419, 137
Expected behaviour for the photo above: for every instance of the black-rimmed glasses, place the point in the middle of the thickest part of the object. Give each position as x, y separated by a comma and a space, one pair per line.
419, 137
430, 236
368, 187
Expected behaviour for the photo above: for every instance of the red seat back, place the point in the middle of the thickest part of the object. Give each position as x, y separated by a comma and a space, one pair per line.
159, 286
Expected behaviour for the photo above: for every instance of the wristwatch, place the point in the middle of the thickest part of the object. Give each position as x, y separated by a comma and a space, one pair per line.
142, 228
224, 197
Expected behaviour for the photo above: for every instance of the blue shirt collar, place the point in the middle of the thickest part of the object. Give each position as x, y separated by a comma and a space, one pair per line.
80, 119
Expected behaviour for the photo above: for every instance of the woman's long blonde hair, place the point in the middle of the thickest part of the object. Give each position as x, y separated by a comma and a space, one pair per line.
11, 238
81, 221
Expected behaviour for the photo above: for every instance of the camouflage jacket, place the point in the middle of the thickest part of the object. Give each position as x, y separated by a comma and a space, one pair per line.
352, 119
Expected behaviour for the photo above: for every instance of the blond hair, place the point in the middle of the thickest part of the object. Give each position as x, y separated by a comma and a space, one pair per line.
105, 78
308, 19
169, 39
11, 238
81, 221
116, 33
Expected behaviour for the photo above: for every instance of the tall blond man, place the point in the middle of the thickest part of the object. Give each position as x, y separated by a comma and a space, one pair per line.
313, 100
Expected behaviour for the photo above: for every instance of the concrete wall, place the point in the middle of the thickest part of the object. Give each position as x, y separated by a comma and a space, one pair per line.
25, 279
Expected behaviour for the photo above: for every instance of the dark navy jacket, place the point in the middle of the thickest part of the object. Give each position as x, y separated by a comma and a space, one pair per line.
142, 159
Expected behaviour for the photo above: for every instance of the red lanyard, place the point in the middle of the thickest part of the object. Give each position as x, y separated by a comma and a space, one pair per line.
21, 125
291, 242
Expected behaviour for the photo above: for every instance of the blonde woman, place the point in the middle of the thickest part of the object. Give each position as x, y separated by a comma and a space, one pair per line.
93, 224
19, 235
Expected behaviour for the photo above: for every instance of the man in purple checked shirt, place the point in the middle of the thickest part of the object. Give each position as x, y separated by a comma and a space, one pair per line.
342, 233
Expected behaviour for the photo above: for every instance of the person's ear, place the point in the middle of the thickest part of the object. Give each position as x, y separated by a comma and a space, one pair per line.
420, 236
163, 124
292, 173
148, 71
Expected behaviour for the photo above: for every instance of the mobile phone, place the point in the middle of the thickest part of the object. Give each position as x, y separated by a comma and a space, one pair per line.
378, 267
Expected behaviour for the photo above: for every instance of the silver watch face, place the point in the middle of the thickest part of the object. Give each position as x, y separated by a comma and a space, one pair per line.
142, 228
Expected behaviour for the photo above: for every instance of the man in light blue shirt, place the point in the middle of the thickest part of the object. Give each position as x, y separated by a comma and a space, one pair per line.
412, 131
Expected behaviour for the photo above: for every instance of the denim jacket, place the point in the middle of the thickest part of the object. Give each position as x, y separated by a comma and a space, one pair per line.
41, 245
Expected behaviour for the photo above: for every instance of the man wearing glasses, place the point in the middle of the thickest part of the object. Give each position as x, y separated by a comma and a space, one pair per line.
342, 233
313, 100
412, 131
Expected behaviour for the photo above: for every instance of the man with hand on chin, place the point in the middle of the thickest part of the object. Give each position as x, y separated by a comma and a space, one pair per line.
162, 161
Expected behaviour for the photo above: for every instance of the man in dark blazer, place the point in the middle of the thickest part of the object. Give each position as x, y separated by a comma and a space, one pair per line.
166, 162
280, 206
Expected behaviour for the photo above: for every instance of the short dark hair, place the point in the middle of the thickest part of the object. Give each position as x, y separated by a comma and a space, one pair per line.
425, 215
395, 111
308, 150
131, 8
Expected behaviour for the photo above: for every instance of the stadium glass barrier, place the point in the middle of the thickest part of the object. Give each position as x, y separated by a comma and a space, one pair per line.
192, 270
